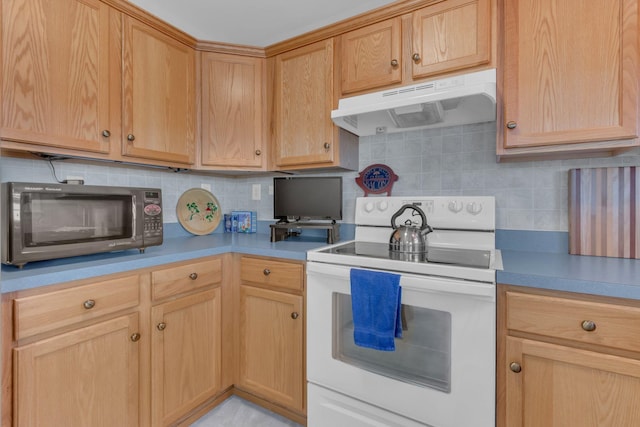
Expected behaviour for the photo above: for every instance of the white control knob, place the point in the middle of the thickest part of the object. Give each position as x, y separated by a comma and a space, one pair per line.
368, 207
474, 208
455, 206
383, 206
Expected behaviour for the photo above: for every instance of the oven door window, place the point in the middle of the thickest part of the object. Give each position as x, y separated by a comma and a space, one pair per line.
54, 219
422, 356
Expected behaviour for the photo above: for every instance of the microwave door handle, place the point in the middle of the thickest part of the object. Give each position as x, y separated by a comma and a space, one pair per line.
134, 205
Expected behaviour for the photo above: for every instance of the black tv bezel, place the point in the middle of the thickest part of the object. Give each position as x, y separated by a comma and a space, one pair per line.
283, 219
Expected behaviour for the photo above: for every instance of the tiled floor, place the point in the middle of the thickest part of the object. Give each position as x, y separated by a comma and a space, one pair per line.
237, 412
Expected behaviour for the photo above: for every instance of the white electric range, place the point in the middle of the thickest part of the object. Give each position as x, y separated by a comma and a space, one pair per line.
442, 372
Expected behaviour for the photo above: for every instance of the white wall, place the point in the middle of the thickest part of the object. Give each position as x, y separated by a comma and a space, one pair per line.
451, 161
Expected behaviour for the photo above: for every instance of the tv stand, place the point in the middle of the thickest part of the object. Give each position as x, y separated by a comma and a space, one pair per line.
281, 230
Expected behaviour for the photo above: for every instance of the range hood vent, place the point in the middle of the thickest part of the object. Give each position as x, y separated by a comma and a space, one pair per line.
459, 100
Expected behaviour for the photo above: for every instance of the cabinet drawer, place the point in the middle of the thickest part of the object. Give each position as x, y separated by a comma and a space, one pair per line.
46, 312
273, 273
610, 325
183, 278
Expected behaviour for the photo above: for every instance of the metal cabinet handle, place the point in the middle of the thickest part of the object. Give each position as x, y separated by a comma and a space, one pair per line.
515, 367
106, 133
193, 276
327, 145
131, 137
266, 272
294, 315
135, 337
161, 326
394, 63
511, 125
589, 325
416, 57
89, 304
258, 152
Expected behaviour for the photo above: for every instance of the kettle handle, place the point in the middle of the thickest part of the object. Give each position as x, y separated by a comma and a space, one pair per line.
404, 208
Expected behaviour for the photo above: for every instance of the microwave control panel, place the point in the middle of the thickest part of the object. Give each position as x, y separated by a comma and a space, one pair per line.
152, 217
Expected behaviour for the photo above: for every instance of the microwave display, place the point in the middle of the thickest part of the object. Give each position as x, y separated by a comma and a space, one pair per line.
52, 219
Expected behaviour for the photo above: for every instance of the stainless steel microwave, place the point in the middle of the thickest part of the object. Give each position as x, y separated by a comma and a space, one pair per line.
47, 221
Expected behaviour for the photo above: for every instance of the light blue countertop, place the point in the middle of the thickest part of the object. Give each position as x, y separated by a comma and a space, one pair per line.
534, 259
613, 277
540, 259
173, 249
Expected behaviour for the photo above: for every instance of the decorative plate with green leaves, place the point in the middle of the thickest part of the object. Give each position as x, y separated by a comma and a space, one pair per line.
198, 211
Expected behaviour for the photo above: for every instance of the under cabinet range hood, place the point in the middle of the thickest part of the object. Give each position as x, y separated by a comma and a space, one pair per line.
458, 100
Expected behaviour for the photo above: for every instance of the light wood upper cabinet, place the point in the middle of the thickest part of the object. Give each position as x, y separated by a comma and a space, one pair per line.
84, 377
570, 76
159, 101
55, 73
371, 56
233, 113
443, 37
566, 360
304, 135
449, 36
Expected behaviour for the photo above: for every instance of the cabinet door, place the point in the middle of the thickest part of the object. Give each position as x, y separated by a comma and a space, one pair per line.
271, 345
451, 35
86, 377
233, 117
159, 95
559, 386
185, 355
570, 71
304, 100
371, 56
55, 73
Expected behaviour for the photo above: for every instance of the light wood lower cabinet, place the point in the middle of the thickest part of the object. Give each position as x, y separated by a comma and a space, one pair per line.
88, 376
76, 355
567, 360
156, 347
186, 354
271, 323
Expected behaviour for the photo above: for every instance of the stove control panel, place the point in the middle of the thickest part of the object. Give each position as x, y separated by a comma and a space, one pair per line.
450, 212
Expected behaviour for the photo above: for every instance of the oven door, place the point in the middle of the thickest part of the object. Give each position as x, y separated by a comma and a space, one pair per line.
442, 372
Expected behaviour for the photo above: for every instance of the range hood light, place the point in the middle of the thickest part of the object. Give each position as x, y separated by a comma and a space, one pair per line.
417, 115
464, 99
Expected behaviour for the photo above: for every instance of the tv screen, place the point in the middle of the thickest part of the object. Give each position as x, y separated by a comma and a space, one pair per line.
307, 198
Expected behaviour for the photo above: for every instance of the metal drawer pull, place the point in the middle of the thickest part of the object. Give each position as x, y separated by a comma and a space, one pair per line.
294, 315
135, 337
416, 57
193, 276
394, 62
266, 272
131, 137
161, 326
512, 125
89, 304
515, 367
589, 325
106, 133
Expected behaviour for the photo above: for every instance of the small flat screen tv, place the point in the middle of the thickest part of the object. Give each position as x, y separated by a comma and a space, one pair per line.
307, 198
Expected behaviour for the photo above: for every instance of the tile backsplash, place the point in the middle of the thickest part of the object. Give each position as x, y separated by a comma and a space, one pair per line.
449, 161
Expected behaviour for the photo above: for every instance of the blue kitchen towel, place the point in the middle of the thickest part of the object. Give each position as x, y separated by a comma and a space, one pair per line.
375, 303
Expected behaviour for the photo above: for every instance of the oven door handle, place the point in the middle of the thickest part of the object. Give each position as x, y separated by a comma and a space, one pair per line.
413, 282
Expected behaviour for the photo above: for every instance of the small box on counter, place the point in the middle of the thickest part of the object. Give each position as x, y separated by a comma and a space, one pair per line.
247, 221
